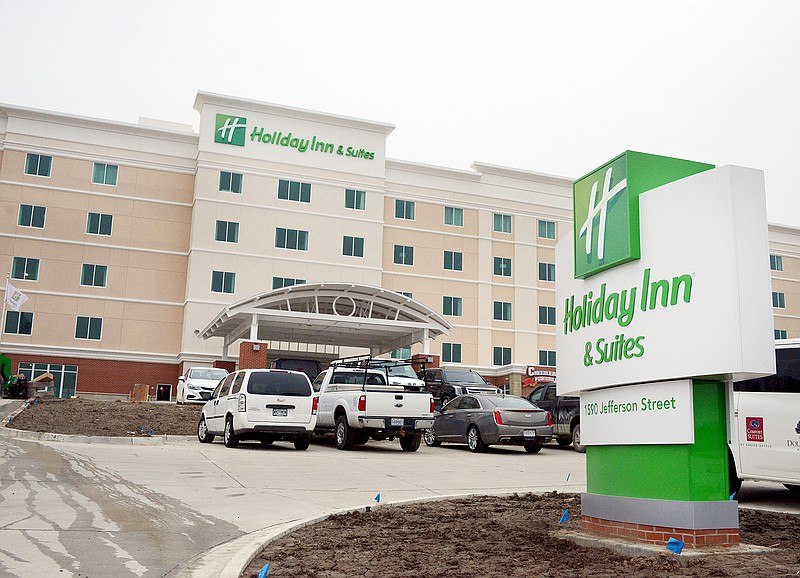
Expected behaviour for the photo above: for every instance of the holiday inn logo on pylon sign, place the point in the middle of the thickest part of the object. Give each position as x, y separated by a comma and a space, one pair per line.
606, 207
230, 129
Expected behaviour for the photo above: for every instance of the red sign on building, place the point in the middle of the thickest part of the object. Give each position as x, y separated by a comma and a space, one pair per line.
755, 429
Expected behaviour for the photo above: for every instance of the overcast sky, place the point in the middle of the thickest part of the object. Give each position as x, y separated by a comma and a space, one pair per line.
555, 87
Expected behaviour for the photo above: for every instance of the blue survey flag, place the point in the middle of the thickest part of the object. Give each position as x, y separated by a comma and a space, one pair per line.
675, 545
378, 498
733, 495
263, 571
564, 517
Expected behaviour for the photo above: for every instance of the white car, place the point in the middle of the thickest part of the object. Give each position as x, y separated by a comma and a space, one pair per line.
264, 404
198, 384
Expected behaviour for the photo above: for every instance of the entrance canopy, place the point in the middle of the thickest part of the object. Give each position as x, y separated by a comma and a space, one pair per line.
343, 314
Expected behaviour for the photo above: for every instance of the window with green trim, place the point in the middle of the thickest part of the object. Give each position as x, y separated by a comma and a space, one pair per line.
355, 199
105, 174
778, 300
88, 327
501, 355
451, 352
223, 282
230, 182
781, 334
25, 268
94, 275
776, 262
38, 165
502, 223
403, 255
294, 191
402, 353
99, 224
547, 229
453, 260
547, 272
502, 266
452, 306
547, 315
404, 209
31, 216
227, 232
547, 358
353, 246
19, 322
281, 282
291, 239
454, 216
502, 311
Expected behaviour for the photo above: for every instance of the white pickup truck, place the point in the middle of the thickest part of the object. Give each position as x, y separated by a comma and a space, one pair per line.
358, 404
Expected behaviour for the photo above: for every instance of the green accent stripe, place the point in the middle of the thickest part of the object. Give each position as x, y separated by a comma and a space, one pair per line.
692, 472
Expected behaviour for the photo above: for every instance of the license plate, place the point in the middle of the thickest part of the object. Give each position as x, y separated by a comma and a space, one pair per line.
398, 421
528, 433
280, 412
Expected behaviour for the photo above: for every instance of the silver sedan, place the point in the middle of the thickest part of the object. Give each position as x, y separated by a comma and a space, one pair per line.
483, 420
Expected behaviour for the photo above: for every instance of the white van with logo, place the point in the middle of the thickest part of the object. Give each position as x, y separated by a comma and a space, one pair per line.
264, 404
765, 423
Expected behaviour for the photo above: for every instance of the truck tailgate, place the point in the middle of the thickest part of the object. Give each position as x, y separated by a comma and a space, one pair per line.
398, 404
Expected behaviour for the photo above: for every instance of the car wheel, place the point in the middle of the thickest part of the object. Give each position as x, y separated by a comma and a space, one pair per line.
533, 448
410, 443
202, 432
430, 438
474, 441
576, 440
344, 434
563, 442
302, 442
229, 437
445, 400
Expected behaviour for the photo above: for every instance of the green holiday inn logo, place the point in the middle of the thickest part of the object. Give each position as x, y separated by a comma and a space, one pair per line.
230, 129
606, 207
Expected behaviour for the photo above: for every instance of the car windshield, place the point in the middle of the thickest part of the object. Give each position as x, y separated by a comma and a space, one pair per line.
510, 402
207, 373
463, 376
278, 383
401, 371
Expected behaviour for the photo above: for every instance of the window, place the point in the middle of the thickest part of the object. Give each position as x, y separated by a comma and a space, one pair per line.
223, 281
502, 311
779, 333
404, 209
778, 300
453, 261
294, 191
227, 232
230, 182
353, 246
38, 165
776, 263
454, 216
547, 229
502, 223
547, 271
502, 266
452, 306
354, 199
19, 322
402, 353
88, 327
99, 224
547, 315
31, 216
291, 239
547, 358
403, 255
407, 294
501, 355
451, 352
280, 282
94, 275
65, 377
25, 268
104, 174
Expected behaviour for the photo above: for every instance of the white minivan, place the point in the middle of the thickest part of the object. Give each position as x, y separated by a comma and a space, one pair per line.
264, 404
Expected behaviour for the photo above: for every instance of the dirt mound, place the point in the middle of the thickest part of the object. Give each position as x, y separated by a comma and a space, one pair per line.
107, 418
496, 537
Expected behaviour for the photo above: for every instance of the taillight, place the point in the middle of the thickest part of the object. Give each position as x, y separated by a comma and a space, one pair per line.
242, 402
314, 406
498, 419
433, 405
549, 418
362, 403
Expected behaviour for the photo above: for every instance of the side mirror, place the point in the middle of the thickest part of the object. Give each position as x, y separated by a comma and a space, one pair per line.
182, 378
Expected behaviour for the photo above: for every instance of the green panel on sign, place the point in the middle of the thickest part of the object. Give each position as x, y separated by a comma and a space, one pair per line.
691, 472
606, 207
230, 129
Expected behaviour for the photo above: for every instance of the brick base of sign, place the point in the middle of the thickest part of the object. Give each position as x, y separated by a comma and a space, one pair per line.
659, 535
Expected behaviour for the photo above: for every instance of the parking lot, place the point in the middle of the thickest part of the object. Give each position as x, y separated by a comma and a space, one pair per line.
120, 510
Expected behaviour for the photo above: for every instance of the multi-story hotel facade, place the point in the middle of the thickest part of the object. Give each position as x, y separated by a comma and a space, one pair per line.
128, 241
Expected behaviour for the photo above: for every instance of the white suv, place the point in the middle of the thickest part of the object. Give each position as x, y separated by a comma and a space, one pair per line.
263, 404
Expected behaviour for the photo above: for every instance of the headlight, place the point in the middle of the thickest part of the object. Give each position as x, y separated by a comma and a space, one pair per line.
192, 386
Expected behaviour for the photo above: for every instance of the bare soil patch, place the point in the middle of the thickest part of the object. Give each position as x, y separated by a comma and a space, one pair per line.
107, 418
497, 537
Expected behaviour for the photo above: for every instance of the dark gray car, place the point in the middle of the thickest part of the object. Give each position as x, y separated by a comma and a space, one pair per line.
483, 420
